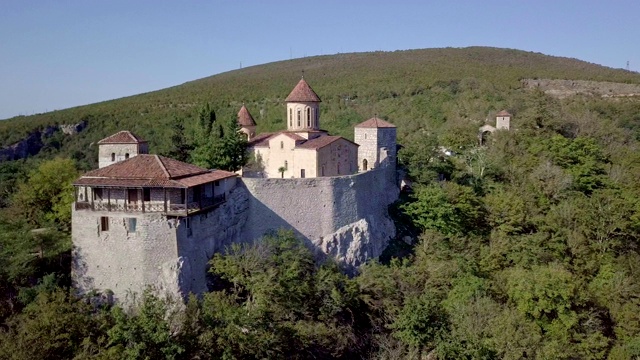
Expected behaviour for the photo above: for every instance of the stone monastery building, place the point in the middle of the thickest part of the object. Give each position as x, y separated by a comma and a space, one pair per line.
143, 220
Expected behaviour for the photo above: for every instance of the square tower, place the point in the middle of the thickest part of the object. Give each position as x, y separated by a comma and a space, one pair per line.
503, 120
377, 140
120, 146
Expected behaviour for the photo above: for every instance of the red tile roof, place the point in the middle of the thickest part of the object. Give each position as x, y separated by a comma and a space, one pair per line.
261, 139
122, 137
245, 118
303, 93
375, 123
151, 170
503, 113
321, 142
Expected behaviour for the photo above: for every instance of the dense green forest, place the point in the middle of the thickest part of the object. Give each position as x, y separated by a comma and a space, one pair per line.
525, 247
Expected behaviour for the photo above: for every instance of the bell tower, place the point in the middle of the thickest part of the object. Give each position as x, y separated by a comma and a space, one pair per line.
303, 108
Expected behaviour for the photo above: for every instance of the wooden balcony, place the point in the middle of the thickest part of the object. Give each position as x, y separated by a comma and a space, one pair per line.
152, 206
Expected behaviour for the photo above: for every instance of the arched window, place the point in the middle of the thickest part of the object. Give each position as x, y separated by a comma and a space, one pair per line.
290, 117
281, 144
299, 111
286, 164
126, 156
113, 156
322, 171
365, 163
308, 117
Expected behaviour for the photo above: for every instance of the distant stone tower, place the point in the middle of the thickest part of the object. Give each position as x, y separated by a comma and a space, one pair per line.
503, 120
246, 122
377, 140
120, 146
303, 108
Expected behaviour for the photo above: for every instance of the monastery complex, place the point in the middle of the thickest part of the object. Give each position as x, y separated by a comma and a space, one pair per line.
143, 220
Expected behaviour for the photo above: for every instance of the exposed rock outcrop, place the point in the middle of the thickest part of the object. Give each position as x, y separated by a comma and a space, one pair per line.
34, 142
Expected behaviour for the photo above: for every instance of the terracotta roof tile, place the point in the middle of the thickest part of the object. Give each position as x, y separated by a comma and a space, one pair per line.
245, 118
151, 171
122, 137
503, 113
321, 142
261, 139
303, 93
375, 123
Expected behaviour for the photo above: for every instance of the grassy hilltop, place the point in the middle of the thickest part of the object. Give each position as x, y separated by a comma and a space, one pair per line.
427, 89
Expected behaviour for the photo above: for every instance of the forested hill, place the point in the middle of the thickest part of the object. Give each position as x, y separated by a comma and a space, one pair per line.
524, 247
414, 89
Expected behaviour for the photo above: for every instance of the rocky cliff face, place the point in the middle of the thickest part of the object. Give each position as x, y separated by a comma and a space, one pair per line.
33, 143
352, 245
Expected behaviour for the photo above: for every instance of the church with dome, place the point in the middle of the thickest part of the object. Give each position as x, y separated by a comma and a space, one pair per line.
304, 150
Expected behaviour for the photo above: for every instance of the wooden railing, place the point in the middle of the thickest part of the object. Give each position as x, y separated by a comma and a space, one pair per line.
152, 207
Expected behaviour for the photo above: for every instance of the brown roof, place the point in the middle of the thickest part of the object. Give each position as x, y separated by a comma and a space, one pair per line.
375, 123
321, 142
122, 137
149, 171
303, 93
503, 113
245, 118
261, 139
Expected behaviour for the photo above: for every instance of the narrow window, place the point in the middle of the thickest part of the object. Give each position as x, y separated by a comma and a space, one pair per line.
365, 163
308, 117
286, 164
216, 183
146, 194
113, 156
131, 224
290, 117
281, 144
126, 156
338, 168
365, 136
302, 173
187, 225
322, 171
299, 117
104, 223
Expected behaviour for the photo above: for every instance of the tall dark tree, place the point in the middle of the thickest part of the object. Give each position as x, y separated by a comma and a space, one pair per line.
180, 148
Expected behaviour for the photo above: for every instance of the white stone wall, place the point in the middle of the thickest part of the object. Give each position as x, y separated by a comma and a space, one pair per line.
303, 107
327, 211
122, 261
502, 122
367, 138
340, 153
120, 151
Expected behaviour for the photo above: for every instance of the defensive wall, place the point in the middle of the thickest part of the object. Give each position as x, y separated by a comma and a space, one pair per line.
342, 217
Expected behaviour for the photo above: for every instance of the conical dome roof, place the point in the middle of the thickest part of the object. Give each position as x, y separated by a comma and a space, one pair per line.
245, 118
303, 93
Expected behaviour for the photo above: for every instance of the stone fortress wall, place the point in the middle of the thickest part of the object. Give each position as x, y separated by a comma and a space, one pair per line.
343, 217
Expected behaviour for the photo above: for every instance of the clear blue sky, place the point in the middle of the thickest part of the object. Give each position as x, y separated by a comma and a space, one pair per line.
58, 54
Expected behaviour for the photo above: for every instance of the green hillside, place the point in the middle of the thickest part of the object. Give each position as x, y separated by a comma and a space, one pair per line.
413, 88
524, 247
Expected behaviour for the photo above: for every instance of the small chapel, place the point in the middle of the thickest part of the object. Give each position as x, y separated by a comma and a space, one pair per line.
304, 150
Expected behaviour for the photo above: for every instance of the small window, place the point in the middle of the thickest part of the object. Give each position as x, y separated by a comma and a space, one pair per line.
299, 118
126, 156
97, 193
308, 117
216, 183
302, 173
187, 225
322, 171
281, 144
146, 194
286, 164
113, 156
365, 164
131, 224
290, 117
104, 223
